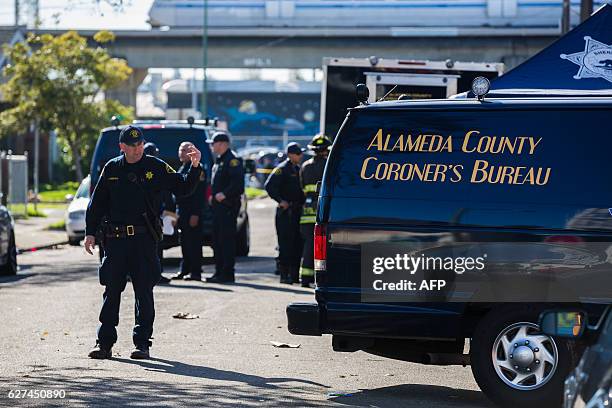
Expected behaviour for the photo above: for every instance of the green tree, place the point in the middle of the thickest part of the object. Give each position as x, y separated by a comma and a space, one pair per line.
58, 83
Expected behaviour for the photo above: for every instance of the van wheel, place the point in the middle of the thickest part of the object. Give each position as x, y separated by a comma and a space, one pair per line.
10, 268
243, 243
514, 364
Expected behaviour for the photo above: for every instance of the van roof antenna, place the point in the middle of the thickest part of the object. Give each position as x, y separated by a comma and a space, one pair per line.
387, 94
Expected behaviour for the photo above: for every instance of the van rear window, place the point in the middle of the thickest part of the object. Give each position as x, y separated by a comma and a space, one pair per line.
537, 156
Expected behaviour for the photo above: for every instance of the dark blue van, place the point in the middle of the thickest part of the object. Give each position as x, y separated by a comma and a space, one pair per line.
168, 135
526, 181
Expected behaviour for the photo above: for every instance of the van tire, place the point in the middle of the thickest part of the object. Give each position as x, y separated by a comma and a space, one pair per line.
506, 320
243, 243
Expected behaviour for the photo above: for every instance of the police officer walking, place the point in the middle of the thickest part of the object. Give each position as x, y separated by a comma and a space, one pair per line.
283, 186
189, 210
310, 174
128, 194
227, 189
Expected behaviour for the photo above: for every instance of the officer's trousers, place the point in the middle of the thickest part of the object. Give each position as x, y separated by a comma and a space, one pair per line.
307, 268
135, 256
224, 239
289, 237
191, 247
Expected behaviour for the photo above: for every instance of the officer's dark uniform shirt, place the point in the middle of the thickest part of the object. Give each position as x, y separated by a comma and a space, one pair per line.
284, 183
192, 204
117, 196
228, 178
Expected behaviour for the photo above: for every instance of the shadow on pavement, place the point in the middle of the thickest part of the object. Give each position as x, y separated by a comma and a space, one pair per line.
15, 278
202, 286
190, 370
284, 288
100, 388
414, 395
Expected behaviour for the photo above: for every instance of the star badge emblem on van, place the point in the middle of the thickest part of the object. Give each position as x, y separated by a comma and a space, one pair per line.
594, 62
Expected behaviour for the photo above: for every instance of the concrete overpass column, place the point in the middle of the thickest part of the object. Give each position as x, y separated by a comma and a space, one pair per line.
126, 92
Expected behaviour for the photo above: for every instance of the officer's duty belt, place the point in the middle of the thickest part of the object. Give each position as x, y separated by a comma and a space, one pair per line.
125, 231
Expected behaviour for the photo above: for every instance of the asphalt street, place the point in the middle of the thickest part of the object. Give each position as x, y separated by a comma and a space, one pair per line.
225, 357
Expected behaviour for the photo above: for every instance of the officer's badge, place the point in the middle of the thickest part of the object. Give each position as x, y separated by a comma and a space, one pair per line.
202, 176
234, 162
170, 169
149, 175
134, 133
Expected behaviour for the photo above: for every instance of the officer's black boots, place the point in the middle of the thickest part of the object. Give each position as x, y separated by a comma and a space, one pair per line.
294, 273
140, 352
285, 274
217, 278
178, 275
307, 281
100, 352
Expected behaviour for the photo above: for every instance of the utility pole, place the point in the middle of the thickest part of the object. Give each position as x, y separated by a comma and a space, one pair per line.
16, 13
586, 9
205, 60
36, 13
36, 128
565, 17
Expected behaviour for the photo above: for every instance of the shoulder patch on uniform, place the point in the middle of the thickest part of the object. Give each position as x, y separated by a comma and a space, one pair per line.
169, 169
234, 162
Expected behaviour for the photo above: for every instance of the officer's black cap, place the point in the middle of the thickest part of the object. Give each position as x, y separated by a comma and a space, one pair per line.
295, 148
219, 137
131, 135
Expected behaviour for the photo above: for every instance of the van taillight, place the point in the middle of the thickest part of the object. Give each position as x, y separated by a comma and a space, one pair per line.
320, 247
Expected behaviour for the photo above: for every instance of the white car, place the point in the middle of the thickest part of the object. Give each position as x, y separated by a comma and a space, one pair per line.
75, 214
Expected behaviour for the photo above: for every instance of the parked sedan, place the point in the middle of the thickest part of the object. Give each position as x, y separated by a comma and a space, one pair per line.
590, 384
8, 249
75, 214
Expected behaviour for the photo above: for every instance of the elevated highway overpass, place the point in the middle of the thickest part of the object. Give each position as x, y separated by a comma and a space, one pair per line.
294, 47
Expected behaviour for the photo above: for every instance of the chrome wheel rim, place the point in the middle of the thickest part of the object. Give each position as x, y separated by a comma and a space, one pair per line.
523, 357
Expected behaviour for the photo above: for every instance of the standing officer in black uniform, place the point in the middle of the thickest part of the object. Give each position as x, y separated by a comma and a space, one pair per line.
189, 210
283, 186
310, 174
128, 194
227, 189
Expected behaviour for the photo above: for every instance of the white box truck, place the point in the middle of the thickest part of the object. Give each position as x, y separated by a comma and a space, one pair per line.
388, 79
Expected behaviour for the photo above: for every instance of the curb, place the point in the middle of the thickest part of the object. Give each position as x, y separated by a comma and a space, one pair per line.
37, 248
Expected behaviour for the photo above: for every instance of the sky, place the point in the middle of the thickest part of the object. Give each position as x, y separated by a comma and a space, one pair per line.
86, 14
82, 14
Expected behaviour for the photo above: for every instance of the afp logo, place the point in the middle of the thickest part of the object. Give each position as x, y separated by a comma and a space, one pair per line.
594, 62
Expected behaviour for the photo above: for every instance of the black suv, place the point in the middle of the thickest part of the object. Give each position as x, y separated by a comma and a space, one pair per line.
168, 135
